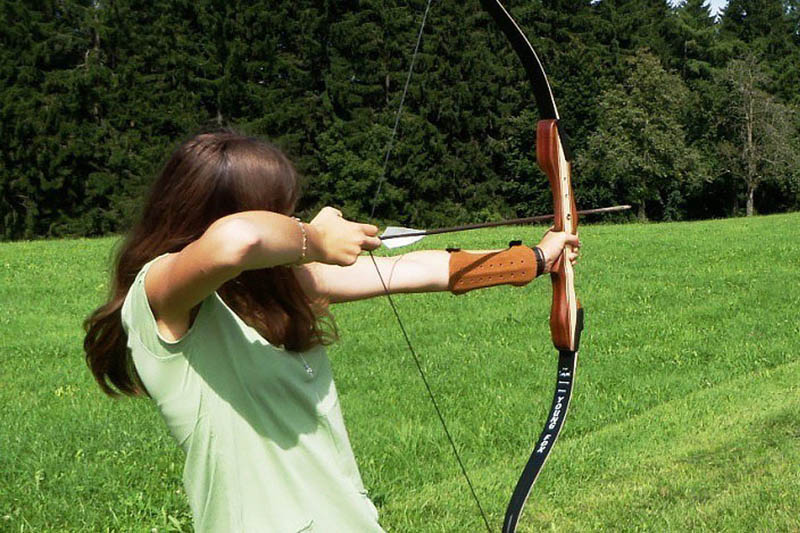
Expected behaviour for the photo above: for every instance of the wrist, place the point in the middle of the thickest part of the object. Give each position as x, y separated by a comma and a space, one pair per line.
313, 245
541, 261
303, 242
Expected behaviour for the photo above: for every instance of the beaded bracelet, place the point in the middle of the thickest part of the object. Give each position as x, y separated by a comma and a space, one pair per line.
305, 240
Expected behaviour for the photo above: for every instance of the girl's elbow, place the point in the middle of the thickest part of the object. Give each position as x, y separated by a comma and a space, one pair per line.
236, 242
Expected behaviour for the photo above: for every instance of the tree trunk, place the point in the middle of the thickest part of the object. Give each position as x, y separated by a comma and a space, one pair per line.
750, 193
641, 213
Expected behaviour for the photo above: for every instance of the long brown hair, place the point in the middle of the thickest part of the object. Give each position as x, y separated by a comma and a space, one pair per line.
207, 177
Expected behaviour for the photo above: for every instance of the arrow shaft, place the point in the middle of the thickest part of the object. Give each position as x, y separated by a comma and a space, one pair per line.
508, 222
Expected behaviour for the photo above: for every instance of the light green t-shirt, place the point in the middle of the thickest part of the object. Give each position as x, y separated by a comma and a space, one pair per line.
262, 428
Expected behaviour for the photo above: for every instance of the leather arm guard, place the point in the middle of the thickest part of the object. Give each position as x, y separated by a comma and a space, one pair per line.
514, 266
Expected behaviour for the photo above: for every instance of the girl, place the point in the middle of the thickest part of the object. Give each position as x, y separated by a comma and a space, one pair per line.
219, 313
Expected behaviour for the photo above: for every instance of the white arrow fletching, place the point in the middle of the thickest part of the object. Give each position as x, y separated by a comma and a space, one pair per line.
399, 242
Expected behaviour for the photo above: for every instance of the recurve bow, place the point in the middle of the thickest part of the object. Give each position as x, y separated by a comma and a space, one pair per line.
566, 313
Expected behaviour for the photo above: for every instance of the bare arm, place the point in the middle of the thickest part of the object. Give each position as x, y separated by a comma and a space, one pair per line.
423, 271
245, 241
178, 282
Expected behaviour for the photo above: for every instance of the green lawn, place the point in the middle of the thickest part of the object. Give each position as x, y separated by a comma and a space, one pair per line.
686, 413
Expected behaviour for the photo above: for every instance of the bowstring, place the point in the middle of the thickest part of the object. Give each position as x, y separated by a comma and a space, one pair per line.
415, 357
390, 144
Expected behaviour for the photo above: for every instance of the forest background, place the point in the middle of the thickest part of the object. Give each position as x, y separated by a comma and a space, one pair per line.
680, 112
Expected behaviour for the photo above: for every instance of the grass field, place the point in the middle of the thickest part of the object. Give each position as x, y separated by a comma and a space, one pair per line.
686, 413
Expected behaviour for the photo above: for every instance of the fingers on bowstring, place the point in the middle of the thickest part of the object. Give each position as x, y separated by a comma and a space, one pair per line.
369, 229
371, 243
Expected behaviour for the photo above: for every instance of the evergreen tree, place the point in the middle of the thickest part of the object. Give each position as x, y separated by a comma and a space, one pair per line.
93, 94
52, 102
762, 25
768, 29
629, 25
693, 38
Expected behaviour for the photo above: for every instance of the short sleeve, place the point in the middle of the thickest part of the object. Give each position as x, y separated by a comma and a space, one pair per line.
139, 322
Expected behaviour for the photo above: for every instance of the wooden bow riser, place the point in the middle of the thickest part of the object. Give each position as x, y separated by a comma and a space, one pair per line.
564, 312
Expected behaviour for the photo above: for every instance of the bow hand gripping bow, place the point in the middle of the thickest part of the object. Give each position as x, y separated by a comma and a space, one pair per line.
566, 314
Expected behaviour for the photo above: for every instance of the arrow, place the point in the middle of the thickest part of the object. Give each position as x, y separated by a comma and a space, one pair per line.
397, 237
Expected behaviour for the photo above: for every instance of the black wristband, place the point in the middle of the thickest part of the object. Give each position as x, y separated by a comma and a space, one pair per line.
540, 264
